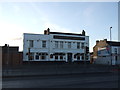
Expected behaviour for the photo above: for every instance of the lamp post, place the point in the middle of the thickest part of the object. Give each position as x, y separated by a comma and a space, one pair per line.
110, 33
110, 47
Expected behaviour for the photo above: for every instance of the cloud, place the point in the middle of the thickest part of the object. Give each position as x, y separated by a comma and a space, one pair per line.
11, 34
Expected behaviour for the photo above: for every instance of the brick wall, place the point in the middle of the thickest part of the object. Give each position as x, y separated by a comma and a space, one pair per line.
12, 58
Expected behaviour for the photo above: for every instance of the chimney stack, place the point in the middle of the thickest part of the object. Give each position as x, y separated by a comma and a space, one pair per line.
105, 39
5, 45
47, 32
83, 33
97, 42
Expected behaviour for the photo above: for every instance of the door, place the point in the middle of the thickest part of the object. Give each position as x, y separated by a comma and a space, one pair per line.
69, 57
116, 60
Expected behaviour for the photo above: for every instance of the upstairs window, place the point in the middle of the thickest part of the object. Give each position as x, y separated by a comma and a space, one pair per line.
78, 45
44, 44
61, 44
69, 44
56, 44
82, 45
30, 43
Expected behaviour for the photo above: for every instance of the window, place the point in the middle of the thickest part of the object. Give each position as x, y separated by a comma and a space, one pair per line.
61, 44
37, 57
56, 44
44, 44
74, 56
82, 45
82, 57
115, 50
116, 58
56, 57
30, 43
78, 45
61, 57
43, 57
31, 56
51, 56
69, 44
78, 57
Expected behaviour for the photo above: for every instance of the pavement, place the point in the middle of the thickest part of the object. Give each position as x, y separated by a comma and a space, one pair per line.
55, 69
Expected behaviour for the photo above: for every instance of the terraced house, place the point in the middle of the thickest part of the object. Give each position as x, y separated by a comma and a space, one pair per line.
106, 52
56, 46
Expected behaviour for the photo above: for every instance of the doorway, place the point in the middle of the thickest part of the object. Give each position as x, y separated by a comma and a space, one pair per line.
69, 57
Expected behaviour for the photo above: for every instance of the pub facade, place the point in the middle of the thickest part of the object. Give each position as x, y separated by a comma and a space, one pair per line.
56, 46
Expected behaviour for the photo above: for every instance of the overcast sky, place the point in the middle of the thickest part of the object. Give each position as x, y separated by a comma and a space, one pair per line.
94, 17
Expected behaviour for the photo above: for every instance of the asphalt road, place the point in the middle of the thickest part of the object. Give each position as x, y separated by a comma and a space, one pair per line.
90, 80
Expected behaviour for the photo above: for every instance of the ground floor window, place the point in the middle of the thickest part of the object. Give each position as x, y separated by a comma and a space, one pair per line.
51, 56
82, 57
87, 57
56, 57
74, 56
78, 57
61, 57
31, 56
37, 57
43, 57
115, 57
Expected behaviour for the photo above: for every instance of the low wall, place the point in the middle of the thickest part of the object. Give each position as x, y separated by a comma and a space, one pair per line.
54, 69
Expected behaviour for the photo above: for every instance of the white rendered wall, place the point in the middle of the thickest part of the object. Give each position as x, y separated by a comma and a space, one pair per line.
50, 43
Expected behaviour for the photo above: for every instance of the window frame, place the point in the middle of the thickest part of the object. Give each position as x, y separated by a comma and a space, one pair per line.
69, 44
31, 43
56, 44
44, 44
78, 45
61, 44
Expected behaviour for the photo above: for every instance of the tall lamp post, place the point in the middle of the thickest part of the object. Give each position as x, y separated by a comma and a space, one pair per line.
110, 46
110, 33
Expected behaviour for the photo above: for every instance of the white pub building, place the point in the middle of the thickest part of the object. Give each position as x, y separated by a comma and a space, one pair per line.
56, 46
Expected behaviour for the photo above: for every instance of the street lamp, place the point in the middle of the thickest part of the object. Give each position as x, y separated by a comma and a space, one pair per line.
110, 33
110, 47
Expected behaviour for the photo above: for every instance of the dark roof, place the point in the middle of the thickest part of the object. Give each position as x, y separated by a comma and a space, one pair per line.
66, 33
113, 43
